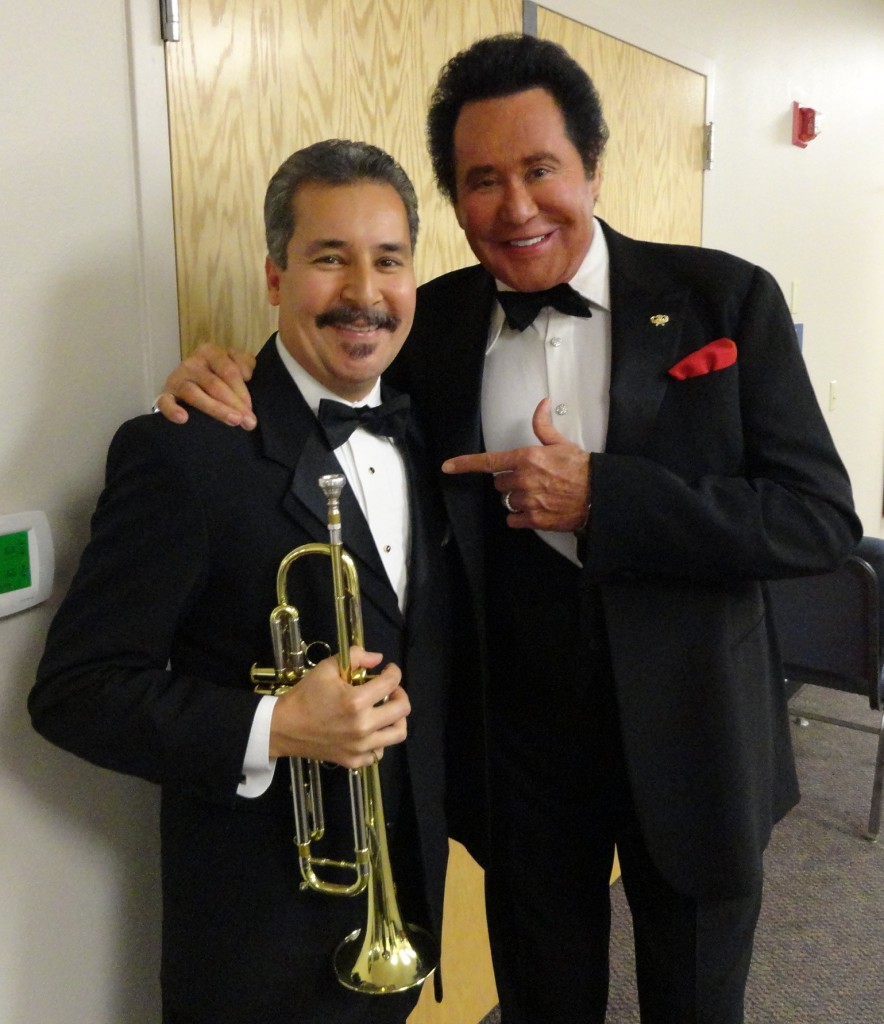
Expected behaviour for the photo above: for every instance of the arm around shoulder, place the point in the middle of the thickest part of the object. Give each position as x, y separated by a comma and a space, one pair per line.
213, 380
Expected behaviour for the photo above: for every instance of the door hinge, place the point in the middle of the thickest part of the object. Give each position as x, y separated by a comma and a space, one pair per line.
708, 145
529, 18
169, 23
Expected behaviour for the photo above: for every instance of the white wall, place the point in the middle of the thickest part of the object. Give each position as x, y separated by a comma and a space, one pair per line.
79, 922
86, 273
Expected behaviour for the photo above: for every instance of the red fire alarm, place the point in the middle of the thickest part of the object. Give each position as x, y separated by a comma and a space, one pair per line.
807, 123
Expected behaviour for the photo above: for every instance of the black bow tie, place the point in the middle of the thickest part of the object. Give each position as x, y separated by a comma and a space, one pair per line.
387, 419
521, 308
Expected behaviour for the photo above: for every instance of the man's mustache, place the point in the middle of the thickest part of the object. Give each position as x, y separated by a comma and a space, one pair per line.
348, 316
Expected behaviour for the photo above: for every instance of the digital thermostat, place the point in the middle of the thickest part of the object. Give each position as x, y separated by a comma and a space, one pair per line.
27, 561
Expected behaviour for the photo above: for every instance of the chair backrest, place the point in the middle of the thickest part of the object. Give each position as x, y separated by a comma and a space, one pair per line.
829, 628
871, 550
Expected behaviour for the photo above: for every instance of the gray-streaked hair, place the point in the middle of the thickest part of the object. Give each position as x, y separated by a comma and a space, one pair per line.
331, 162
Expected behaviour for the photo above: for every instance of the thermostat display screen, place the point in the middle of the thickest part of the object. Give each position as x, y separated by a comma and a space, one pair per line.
15, 562
27, 561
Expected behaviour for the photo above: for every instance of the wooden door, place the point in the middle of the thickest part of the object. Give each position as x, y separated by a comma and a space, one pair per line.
652, 186
252, 80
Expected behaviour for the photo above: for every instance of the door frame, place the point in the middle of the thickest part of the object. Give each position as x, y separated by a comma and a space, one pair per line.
152, 159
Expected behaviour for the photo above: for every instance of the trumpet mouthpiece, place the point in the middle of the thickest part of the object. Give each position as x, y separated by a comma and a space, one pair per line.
332, 485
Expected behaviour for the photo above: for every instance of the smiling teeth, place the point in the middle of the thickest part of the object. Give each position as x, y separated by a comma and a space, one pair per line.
528, 241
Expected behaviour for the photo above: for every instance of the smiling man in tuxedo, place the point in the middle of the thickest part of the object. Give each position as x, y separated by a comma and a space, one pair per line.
634, 694
147, 664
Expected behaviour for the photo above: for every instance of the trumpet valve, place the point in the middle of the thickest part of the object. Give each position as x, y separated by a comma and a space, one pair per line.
272, 682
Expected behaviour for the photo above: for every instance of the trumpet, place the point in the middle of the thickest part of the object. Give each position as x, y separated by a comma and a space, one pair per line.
386, 955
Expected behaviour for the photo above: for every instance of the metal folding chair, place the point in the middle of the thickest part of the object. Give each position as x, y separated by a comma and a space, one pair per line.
830, 632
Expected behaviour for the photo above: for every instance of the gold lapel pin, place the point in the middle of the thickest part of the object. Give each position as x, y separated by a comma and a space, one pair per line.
659, 319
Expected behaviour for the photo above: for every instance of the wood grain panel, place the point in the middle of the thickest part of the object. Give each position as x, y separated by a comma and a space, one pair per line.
252, 81
653, 166
466, 960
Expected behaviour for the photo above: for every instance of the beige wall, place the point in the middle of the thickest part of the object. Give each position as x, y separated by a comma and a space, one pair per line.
85, 271
78, 943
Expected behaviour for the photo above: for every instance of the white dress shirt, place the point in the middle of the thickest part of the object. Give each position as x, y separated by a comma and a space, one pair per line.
375, 469
565, 358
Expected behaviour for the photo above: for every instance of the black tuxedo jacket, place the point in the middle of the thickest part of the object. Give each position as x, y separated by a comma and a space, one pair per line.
707, 487
146, 671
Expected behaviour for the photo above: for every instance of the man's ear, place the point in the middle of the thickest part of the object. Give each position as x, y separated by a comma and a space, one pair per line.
595, 182
461, 220
273, 275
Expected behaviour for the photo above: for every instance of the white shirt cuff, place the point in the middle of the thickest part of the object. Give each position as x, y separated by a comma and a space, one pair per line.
258, 766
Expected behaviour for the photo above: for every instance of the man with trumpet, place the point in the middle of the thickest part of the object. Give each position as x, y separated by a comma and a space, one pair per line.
147, 663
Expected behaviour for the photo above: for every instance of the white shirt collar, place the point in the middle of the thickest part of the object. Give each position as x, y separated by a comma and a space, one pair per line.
310, 387
592, 280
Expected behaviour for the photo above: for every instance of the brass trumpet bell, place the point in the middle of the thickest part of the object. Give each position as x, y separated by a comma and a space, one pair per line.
387, 955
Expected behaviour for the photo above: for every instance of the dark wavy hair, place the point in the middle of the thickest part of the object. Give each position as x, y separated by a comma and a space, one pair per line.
331, 162
501, 66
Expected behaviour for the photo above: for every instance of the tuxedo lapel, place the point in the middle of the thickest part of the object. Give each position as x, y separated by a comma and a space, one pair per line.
647, 319
452, 391
291, 436
460, 363
305, 494
427, 519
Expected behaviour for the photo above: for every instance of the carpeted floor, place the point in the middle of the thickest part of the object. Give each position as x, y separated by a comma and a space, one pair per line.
819, 949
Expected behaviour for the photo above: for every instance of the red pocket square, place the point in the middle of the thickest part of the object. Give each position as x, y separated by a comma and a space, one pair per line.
714, 356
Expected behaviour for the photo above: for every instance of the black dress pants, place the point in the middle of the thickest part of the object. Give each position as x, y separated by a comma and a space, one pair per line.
559, 802
550, 941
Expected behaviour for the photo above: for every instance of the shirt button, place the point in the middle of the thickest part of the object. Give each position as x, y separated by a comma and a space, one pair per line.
387, 548
371, 470
561, 409
555, 342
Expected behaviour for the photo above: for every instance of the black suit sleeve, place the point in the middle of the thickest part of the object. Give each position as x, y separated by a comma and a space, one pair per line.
105, 689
